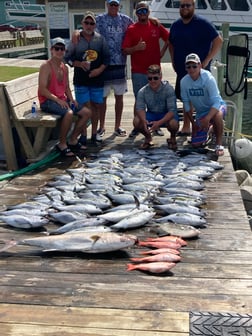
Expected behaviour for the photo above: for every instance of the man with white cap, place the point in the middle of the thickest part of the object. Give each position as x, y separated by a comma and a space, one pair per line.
199, 89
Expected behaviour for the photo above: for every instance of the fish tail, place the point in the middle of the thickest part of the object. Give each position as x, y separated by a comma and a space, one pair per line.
8, 244
131, 267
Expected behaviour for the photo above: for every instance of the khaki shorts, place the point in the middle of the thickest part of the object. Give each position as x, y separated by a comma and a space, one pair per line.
118, 88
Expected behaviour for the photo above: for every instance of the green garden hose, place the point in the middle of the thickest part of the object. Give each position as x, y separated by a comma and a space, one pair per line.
50, 157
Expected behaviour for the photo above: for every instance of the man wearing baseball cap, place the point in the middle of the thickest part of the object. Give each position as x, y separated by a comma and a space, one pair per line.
199, 89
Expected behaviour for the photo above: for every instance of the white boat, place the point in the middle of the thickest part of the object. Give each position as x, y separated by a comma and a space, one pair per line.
17, 10
238, 13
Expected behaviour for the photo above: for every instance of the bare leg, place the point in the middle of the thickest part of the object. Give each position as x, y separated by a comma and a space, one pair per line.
96, 108
66, 123
118, 110
81, 124
218, 127
186, 128
172, 127
102, 115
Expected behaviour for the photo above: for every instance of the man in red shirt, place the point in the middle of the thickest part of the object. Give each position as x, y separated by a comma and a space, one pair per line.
141, 42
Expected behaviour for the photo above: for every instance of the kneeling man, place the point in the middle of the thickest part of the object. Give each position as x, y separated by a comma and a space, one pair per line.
156, 107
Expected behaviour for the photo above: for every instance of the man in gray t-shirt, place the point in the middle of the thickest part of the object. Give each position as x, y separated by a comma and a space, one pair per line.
156, 107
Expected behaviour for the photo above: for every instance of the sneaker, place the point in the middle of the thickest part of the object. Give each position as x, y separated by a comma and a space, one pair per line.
99, 135
120, 132
158, 132
133, 133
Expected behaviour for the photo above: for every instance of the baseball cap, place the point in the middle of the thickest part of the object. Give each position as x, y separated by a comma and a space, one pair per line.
192, 58
116, 1
154, 69
58, 40
89, 15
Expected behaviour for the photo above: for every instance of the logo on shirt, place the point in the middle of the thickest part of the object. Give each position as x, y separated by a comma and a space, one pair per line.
196, 92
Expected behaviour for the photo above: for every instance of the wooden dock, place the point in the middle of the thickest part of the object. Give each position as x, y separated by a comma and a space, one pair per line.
83, 294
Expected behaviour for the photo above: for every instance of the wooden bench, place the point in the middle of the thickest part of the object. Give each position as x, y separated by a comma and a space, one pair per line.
7, 40
20, 94
29, 37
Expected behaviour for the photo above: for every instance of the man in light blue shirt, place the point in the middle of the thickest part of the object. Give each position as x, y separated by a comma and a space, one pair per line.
200, 89
156, 107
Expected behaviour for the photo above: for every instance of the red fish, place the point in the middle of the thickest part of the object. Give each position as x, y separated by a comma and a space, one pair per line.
154, 267
175, 239
160, 244
161, 250
158, 257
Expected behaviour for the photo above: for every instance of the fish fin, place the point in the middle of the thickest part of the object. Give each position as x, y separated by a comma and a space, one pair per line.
95, 238
136, 201
8, 244
49, 197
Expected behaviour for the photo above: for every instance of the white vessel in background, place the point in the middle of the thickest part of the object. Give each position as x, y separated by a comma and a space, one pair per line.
238, 13
25, 11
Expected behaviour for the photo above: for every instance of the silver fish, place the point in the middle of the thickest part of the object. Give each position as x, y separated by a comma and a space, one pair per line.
79, 223
24, 222
79, 241
65, 217
134, 220
171, 208
183, 218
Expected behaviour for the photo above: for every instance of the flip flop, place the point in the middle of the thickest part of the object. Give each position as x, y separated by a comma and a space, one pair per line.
66, 152
77, 147
147, 145
171, 145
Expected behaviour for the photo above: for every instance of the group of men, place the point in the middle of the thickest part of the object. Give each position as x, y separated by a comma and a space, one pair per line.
98, 54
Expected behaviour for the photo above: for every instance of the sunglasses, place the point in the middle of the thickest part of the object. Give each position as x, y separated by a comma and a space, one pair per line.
191, 66
142, 11
89, 23
59, 48
114, 5
155, 78
185, 6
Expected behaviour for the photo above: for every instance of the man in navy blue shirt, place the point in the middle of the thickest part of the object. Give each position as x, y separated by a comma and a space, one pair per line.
191, 33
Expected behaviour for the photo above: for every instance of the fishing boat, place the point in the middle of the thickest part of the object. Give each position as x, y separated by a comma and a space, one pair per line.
238, 13
25, 11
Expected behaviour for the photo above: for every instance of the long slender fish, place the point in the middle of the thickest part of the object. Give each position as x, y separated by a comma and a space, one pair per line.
78, 241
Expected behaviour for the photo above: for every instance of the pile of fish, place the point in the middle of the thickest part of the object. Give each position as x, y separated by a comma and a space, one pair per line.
164, 257
117, 191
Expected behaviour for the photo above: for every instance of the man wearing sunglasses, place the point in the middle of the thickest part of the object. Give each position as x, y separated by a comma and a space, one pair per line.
90, 56
55, 97
191, 33
142, 44
112, 25
155, 108
199, 89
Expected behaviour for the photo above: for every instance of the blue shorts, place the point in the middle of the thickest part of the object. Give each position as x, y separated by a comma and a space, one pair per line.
85, 94
157, 116
50, 106
138, 81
